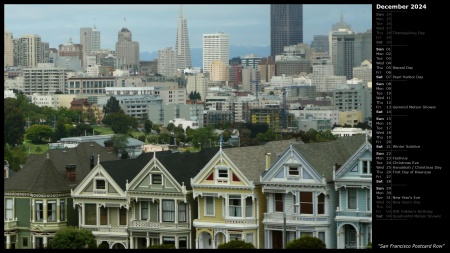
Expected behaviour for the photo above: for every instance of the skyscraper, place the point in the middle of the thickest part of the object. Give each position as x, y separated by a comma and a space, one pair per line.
182, 48
90, 39
216, 46
127, 51
286, 26
8, 49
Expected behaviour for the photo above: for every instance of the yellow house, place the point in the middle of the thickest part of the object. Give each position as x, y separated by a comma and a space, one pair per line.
229, 196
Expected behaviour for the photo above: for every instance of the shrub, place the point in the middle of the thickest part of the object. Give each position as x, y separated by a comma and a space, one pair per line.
236, 244
162, 246
306, 242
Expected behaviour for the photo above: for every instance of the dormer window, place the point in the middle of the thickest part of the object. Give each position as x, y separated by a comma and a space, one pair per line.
156, 179
100, 184
222, 174
294, 171
366, 166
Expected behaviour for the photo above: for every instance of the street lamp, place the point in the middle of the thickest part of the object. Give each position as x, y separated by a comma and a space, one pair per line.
284, 225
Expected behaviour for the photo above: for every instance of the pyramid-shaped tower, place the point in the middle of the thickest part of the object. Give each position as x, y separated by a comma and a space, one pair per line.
182, 48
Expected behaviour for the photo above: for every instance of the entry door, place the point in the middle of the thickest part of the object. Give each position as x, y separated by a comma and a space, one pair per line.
277, 239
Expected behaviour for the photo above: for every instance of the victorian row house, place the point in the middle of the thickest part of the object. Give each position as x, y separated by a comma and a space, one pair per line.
37, 198
267, 195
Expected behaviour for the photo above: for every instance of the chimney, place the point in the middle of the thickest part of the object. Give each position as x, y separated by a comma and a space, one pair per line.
71, 174
267, 161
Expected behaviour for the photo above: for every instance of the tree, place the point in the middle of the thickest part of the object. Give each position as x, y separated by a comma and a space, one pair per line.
194, 95
120, 123
236, 244
119, 143
112, 106
171, 127
148, 126
306, 242
73, 238
14, 123
37, 133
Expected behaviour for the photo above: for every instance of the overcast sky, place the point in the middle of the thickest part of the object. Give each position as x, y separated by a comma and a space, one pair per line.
154, 26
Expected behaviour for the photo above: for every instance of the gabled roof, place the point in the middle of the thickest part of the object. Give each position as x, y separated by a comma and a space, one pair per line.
182, 166
42, 177
79, 156
322, 156
251, 160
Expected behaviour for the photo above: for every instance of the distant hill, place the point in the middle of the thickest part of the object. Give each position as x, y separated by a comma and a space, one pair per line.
197, 53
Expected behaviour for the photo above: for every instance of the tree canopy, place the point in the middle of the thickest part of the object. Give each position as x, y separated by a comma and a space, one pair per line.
14, 123
112, 106
37, 133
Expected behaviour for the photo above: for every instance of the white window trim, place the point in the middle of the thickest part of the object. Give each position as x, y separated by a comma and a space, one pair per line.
151, 179
361, 165
356, 199
100, 191
219, 179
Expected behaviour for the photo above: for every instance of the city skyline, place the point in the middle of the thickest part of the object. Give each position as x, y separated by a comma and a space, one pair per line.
247, 25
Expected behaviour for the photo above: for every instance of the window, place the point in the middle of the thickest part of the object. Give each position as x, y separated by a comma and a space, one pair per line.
249, 238
321, 204
51, 210
144, 210
278, 202
351, 198
103, 216
293, 171
39, 210
322, 236
234, 204
168, 240
156, 179
62, 210
182, 243
9, 209
209, 206
168, 209
25, 242
367, 167
90, 215
248, 207
306, 203
182, 212
222, 173
368, 200
306, 233
100, 184
122, 216
235, 237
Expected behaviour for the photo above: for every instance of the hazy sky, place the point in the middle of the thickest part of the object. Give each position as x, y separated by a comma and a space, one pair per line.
154, 26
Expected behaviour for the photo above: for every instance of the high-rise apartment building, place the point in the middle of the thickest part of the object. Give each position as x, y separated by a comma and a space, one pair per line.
216, 46
8, 49
127, 51
44, 79
286, 26
30, 50
182, 48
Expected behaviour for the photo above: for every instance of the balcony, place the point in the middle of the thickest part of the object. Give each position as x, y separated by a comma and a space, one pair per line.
106, 230
246, 221
354, 215
158, 225
295, 219
10, 224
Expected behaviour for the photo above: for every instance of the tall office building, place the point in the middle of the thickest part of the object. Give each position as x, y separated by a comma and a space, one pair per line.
90, 39
286, 26
127, 51
349, 50
8, 49
216, 46
182, 47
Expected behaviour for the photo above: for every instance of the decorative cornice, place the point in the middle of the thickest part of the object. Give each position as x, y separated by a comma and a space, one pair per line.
37, 195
